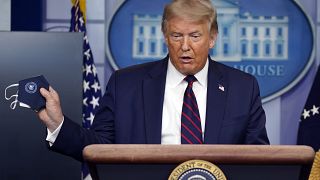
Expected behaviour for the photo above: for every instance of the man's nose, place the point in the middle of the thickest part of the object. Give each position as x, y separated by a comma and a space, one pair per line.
185, 46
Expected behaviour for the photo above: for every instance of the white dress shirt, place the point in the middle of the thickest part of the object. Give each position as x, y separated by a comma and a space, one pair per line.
172, 105
173, 100
52, 136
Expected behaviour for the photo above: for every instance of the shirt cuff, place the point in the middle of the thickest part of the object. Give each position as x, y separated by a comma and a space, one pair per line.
51, 137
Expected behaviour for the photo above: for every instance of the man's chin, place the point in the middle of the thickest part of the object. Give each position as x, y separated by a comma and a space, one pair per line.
187, 71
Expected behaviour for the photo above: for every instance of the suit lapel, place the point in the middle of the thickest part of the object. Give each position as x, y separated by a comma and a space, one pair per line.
153, 95
216, 102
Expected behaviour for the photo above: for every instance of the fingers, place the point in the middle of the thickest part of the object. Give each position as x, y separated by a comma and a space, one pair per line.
51, 94
52, 115
42, 114
52, 90
54, 93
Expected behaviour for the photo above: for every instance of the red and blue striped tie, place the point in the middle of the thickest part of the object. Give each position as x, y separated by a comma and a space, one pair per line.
191, 132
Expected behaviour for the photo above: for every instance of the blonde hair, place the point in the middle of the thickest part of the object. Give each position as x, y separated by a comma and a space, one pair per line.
194, 10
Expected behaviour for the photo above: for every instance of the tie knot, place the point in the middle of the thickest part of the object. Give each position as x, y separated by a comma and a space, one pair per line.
190, 79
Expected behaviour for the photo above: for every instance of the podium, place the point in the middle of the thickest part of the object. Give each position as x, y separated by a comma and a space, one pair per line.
263, 162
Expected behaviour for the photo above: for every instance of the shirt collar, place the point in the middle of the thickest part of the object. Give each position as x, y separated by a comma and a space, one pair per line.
174, 77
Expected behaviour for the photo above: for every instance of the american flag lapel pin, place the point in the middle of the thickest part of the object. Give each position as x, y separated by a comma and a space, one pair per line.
221, 87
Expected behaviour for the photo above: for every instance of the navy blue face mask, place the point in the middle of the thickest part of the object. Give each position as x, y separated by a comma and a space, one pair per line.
28, 93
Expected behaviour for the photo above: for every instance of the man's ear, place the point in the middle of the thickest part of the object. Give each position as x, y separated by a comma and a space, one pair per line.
213, 40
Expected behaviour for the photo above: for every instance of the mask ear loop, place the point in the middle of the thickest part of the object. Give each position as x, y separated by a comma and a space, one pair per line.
14, 103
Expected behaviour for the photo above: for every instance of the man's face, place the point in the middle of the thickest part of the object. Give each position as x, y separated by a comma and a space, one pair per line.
188, 43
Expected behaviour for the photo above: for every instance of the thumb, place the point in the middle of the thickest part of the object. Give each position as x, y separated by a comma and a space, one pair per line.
45, 93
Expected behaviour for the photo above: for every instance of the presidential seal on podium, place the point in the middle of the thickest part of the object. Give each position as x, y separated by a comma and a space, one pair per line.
197, 169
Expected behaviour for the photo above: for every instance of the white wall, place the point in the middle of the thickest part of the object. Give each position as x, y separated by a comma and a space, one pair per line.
5, 13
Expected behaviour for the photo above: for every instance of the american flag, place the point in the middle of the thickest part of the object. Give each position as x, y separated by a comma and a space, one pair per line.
309, 126
91, 85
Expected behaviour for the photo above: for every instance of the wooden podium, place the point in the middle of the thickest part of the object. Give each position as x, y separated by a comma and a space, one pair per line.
262, 162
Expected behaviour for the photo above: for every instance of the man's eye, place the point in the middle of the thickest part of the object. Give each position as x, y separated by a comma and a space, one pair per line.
195, 37
176, 36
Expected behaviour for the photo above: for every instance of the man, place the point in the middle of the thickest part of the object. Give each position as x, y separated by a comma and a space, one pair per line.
154, 104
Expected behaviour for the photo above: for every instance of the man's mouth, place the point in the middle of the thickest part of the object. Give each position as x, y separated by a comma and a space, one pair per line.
186, 59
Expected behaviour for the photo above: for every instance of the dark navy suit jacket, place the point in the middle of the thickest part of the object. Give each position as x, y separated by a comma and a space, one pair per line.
130, 111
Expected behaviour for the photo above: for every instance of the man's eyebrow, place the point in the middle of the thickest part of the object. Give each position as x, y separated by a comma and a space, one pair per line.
195, 32
175, 33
